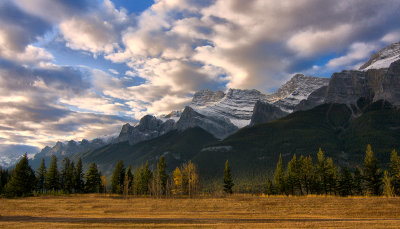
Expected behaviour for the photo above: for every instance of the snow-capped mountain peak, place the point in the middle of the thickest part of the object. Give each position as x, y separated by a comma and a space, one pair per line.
383, 58
299, 87
236, 104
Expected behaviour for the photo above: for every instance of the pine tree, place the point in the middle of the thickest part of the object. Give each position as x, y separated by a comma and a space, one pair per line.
118, 176
52, 175
93, 181
23, 180
161, 177
67, 175
41, 177
394, 171
269, 190
345, 183
279, 176
78, 182
331, 176
372, 173
292, 176
228, 182
388, 190
4, 178
358, 182
321, 172
146, 176
128, 181
177, 176
308, 173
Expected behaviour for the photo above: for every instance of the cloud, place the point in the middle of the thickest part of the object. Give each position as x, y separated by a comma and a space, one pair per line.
171, 50
97, 31
55, 10
357, 52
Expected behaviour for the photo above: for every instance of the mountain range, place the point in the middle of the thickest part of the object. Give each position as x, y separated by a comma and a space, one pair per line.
341, 114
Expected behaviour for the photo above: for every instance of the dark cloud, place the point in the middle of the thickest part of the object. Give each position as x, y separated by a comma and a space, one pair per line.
63, 78
19, 28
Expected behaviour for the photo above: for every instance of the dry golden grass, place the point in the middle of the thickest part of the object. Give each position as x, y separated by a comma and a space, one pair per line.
237, 211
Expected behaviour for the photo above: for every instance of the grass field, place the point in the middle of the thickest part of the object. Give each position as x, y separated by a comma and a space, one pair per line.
238, 211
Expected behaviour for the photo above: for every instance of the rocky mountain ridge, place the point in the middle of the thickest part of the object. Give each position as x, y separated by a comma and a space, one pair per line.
383, 58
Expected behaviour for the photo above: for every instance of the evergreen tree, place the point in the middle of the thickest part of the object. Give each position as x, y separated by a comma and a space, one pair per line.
358, 182
228, 182
146, 177
388, 190
345, 183
41, 177
161, 177
78, 182
372, 173
292, 176
279, 176
394, 171
4, 178
23, 180
321, 172
128, 181
67, 175
307, 173
52, 175
118, 176
93, 180
331, 176
269, 190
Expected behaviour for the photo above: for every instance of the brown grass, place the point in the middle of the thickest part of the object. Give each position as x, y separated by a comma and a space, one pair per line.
237, 211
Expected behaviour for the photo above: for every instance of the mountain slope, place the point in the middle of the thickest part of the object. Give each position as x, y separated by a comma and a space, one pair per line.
254, 151
176, 146
383, 58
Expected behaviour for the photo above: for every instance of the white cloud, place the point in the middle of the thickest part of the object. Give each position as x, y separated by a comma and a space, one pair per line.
312, 42
357, 53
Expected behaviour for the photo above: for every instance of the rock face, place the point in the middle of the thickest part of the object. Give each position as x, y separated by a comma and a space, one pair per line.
206, 98
383, 58
314, 99
347, 87
266, 112
298, 88
218, 126
389, 89
149, 127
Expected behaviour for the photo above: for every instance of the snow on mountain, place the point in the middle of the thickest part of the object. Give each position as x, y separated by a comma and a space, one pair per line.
236, 104
298, 88
383, 58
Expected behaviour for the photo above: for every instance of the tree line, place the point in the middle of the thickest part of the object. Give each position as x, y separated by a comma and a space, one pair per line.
24, 181
302, 177
155, 182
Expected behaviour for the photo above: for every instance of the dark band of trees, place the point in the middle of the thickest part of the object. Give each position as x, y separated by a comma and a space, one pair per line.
301, 177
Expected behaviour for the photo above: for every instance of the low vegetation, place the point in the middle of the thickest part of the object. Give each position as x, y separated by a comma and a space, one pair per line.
233, 211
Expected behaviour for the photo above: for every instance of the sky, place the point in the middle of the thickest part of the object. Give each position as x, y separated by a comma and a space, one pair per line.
79, 69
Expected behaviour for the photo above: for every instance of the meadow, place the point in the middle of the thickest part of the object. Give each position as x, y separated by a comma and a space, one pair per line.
235, 211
